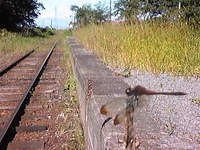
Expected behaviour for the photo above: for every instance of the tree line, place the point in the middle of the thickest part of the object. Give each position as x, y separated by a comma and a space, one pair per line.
20, 14
137, 10
16, 15
86, 14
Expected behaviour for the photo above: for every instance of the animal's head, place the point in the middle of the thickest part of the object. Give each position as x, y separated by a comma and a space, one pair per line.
129, 91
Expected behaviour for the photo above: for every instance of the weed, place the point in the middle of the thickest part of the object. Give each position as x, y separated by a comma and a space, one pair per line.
72, 126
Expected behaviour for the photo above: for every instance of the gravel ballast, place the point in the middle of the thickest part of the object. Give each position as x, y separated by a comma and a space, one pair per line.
177, 116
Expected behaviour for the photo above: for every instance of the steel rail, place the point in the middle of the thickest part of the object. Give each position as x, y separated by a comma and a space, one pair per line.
3, 71
9, 129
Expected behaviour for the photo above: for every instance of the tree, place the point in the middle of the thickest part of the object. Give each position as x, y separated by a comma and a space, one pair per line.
18, 14
188, 10
129, 10
86, 14
83, 14
101, 13
152, 8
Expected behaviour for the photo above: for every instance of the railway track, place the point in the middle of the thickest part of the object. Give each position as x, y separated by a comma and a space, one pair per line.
27, 89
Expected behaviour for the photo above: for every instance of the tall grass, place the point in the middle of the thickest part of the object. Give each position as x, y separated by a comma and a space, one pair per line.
152, 46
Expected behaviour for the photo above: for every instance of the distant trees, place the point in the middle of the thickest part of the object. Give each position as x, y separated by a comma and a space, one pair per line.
188, 10
101, 13
128, 10
135, 10
18, 14
86, 14
184, 9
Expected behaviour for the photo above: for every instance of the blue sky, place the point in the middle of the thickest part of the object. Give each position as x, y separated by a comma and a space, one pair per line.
58, 13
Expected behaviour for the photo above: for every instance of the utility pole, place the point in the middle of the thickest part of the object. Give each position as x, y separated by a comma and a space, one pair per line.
179, 8
51, 25
55, 17
43, 23
110, 10
179, 5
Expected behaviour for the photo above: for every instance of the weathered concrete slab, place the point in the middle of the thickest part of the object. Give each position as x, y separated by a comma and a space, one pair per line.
77, 49
105, 87
108, 85
70, 39
73, 45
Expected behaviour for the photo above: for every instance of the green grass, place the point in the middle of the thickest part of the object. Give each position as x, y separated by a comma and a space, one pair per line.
149, 46
18, 42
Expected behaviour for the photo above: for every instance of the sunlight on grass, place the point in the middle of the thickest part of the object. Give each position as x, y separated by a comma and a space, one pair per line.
19, 42
156, 47
13, 42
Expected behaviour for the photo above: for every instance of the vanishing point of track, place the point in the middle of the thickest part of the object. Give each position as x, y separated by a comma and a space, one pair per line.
25, 89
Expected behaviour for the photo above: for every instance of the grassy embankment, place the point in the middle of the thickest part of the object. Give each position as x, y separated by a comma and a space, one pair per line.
19, 42
156, 47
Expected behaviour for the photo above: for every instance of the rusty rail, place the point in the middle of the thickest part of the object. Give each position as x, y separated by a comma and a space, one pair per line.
3, 71
10, 127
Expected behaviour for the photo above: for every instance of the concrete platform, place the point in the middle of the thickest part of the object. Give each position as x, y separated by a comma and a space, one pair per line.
105, 87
